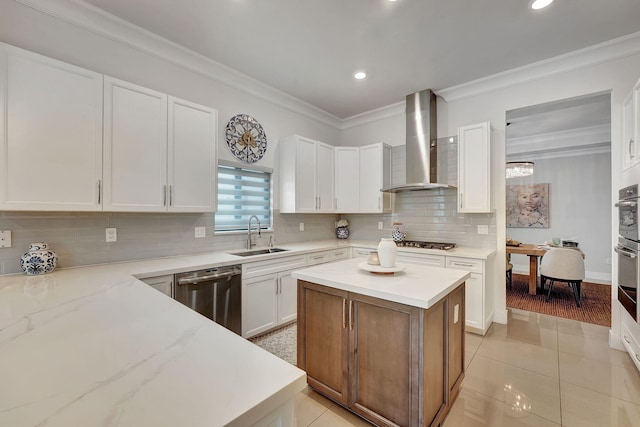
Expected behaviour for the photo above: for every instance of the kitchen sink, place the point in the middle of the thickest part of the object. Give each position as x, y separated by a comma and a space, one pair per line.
260, 252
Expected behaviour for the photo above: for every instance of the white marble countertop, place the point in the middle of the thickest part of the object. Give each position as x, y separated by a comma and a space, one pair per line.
417, 285
95, 346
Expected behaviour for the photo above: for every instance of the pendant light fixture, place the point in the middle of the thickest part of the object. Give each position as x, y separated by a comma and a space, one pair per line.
518, 169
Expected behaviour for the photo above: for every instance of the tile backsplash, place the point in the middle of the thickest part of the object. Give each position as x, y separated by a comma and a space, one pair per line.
79, 238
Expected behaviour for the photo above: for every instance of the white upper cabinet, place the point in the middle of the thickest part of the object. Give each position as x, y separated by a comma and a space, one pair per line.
474, 168
631, 127
360, 174
347, 173
159, 151
50, 134
135, 148
375, 173
306, 175
628, 125
192, 157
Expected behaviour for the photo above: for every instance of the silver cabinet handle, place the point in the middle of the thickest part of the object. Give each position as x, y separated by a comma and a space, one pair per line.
462, 264
631, 155
623, 252
171, 195
193, 280
164, 195
461, 195
99, 191
627, 339
626, 204
637, 357
379, 202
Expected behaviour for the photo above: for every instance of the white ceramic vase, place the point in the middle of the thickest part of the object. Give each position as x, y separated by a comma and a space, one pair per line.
387, 251
39, 259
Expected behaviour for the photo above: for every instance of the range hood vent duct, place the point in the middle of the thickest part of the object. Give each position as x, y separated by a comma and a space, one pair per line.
421, 144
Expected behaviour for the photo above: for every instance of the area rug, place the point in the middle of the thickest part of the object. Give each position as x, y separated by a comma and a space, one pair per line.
595, 305
281, 343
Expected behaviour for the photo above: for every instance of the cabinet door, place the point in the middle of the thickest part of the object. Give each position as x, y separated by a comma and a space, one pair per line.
163, 284
474, 183
259, 305
370, 178
456, 325
50, 134
135, 148
383, 350
306, 175
287, 289
325, 177
192, 157
628, 142
347, 173
322, 338
375, 173
474, 302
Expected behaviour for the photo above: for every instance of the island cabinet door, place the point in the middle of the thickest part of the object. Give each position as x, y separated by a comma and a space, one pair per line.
384, 360
322, 338
455, 322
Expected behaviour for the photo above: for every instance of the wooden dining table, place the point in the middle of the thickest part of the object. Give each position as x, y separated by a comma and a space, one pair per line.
534, 252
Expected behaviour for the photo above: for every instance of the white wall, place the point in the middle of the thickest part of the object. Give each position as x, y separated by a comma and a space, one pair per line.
614, 75
579, 209
90, 41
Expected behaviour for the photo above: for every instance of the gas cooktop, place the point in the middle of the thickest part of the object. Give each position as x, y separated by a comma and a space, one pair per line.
425, 245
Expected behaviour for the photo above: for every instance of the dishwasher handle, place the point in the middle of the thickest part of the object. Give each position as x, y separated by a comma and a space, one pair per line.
213, 276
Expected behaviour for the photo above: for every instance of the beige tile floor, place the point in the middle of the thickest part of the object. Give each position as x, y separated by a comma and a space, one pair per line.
536, 371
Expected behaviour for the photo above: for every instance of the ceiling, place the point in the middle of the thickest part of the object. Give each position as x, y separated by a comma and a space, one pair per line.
310, 49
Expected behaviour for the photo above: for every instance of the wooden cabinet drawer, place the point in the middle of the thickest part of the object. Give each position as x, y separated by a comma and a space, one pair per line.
467, 264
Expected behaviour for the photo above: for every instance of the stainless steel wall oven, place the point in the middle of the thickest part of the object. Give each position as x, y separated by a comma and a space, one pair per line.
628, 249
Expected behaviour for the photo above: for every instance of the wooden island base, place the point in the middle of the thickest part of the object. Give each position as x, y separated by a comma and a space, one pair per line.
390, 363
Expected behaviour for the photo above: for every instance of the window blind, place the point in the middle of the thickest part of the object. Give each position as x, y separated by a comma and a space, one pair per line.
242, 193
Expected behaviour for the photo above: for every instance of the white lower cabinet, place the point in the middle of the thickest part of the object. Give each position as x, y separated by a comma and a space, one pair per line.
269, 294
479, 307
163, 284
631, 337
424, 259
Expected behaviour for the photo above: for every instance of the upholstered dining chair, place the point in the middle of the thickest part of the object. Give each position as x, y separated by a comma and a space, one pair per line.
509, 271
563, 265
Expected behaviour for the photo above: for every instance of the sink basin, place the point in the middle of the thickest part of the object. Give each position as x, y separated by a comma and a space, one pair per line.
260, 252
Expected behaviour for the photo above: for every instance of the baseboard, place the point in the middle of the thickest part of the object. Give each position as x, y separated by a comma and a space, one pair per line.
615, 341
590, 276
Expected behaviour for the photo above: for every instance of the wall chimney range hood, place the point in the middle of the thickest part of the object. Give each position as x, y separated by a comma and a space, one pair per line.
421, 144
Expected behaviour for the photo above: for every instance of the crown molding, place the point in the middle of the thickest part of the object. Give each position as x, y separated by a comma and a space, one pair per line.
94, 20
381, 113
589, 56
573, 140
604, 148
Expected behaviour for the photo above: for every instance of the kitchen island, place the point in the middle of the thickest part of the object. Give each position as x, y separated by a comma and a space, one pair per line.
389, 348
95, 346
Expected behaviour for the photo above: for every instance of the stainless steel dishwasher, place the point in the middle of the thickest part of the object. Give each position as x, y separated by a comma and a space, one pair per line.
214, 293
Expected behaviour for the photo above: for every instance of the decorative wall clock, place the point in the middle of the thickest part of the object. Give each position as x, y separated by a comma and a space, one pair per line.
246, 138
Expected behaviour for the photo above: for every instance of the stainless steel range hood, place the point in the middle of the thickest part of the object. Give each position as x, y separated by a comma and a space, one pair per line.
421, 144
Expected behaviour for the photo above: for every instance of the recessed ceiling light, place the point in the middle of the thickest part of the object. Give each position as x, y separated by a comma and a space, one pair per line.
539, 4
360, 75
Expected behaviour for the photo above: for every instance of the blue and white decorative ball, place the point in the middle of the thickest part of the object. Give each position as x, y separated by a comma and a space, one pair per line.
342, 232
39, 259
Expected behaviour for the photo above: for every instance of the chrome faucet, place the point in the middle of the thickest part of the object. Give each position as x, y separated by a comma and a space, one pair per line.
251, 244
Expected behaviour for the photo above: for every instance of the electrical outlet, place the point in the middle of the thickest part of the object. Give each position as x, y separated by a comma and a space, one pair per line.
380, 225
200, 232
608, 260
111, 234
5, 238
302, 226
483, 229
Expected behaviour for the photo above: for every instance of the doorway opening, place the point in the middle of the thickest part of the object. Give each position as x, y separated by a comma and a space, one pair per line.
568, 199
